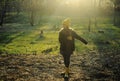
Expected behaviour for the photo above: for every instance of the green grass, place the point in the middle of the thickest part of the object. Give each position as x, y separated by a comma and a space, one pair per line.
25, 39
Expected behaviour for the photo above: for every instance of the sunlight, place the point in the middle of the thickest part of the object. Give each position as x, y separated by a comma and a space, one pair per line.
77, 3
72, 2
73, 7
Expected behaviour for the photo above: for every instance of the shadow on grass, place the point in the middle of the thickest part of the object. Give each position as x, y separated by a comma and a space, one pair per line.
108, 47
12, 31
7, 37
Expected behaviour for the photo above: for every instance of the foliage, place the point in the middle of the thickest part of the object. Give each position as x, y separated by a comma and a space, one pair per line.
36, 9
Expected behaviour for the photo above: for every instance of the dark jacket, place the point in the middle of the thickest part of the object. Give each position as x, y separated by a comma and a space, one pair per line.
66, 39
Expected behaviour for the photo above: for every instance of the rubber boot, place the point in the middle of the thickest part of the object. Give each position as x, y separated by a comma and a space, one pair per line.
66, 71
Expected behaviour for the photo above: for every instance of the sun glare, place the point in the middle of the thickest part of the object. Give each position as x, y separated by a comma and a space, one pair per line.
69, 2
76, 2
74, 7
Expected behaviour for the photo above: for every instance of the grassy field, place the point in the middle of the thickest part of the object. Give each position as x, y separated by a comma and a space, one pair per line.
18, 38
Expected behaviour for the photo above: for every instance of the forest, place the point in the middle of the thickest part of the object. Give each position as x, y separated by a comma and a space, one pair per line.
29, 45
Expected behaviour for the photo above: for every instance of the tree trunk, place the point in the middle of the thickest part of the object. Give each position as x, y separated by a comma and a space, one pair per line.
95, 21
32, 18
114, 20
95, 12
3, 13
89, 25
18, 10
114, 17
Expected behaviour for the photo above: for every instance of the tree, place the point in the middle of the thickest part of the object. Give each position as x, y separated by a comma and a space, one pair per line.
33, 7
3, 11
8, 6
116, 6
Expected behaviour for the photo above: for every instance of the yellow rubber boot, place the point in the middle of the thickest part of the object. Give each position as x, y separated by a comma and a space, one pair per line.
66, 72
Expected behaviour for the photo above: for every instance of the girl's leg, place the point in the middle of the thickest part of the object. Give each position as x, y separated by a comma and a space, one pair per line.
66, 58
67, 63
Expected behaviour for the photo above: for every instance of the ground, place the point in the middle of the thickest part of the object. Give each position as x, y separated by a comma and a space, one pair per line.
84, 67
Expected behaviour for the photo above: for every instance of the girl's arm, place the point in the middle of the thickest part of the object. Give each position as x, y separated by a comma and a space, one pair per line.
79, 37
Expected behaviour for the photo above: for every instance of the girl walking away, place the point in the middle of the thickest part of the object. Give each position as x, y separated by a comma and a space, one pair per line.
67, 38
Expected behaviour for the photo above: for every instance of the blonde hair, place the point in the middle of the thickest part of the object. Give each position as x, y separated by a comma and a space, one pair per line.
66, 22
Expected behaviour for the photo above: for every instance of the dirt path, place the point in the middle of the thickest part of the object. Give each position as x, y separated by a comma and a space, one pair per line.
84, 67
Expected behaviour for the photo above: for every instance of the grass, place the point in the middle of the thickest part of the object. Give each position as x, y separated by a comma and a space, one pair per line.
25, 39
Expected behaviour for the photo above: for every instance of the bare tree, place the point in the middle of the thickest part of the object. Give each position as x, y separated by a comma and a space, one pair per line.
3, 11
116, 10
